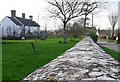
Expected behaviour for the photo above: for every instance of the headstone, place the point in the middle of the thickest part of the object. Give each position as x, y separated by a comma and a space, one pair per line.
42, 35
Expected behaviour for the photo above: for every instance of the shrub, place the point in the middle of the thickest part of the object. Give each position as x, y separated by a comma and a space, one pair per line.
11, 38
60, 41
93, 36
113, 38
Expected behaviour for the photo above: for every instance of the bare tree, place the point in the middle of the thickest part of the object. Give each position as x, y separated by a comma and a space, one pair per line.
65, 11
90, 6
113, 17
70, 30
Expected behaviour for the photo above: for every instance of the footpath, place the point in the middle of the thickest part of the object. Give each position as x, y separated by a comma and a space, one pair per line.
112, 46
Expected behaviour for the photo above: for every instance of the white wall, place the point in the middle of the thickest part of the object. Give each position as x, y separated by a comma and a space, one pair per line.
32, 29
7, 24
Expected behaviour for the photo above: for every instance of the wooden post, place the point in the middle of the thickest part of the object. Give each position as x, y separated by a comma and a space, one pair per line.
33, 47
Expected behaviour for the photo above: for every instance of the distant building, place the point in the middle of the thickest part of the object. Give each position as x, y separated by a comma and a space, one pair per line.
106, 33
18, 26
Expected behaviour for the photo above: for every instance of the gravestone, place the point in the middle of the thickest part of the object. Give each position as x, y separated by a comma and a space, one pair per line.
42, 35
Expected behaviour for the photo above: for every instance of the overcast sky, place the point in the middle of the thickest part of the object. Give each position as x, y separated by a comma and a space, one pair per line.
37, 9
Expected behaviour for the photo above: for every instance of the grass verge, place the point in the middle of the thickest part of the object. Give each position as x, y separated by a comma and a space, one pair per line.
113, 53
0, 62
19, 60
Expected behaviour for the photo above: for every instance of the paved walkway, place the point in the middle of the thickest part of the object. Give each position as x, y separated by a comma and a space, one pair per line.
112, 46
85, 61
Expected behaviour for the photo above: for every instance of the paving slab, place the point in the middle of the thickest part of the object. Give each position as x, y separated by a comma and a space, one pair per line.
85, 61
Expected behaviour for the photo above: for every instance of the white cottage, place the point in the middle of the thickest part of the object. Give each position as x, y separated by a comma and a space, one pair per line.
18, 26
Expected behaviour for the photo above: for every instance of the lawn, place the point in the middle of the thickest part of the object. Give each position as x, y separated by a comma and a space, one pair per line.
113, 53
19, 60
0, 62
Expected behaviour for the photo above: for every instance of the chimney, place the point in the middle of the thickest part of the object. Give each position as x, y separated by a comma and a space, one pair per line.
13, 13
31, 17
23, 15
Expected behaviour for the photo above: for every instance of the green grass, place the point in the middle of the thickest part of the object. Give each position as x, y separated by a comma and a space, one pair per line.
113, 53
19, 60
0, 62
108, 40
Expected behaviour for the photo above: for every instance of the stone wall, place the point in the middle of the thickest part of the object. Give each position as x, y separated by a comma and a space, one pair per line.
85, 61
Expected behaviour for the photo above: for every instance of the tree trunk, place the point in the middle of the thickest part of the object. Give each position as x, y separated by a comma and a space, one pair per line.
71, 38
112, 33
65, 32
85, 21
118, 41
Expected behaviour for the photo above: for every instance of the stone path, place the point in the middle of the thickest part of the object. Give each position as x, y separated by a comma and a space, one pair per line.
112, 46
85, 61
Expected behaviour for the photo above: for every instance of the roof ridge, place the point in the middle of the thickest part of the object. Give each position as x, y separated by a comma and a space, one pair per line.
24, 22
25, 19
14, 20
18, 21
